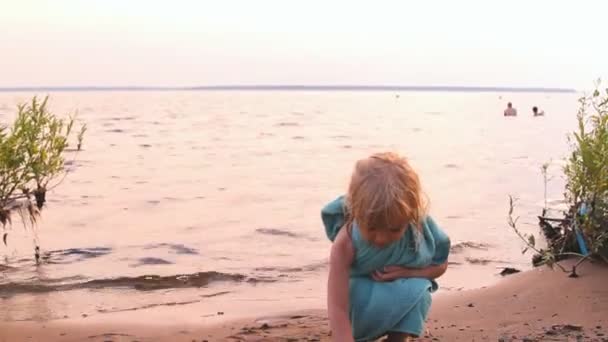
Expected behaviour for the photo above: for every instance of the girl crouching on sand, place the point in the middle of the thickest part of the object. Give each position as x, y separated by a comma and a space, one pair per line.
385, 255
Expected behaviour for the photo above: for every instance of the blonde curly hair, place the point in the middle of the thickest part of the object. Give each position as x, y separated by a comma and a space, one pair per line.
385, 193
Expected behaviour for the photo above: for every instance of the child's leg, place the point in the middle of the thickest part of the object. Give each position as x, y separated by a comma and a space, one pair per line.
398, 337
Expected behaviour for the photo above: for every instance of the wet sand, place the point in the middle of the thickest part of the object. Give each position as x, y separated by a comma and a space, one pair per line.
537, 305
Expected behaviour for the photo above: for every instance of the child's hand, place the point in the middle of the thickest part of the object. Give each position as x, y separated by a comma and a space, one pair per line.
390, 273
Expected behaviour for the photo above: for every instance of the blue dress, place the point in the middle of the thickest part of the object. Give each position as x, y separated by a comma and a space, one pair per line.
402, 305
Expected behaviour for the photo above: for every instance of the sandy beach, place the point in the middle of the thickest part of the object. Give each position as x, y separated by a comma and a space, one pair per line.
537, 305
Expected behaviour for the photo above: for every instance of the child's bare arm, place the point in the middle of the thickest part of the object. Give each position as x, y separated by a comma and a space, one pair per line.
342, 254
390, 273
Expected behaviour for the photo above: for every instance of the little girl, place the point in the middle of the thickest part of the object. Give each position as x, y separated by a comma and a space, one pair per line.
385, 255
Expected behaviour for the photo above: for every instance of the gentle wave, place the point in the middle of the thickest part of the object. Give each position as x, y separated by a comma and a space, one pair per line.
461, 246
142, 283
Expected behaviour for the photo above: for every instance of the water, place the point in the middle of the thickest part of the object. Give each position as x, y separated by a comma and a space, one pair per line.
219, 193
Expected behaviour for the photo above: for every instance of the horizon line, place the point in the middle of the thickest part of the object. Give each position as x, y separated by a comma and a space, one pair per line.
292, 87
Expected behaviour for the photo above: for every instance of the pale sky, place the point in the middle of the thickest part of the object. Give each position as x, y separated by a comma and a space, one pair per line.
184, 43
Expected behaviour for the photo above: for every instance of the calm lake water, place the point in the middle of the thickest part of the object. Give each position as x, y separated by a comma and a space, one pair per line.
219, 194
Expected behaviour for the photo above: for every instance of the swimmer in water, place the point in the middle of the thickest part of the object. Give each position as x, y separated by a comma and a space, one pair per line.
510, 111
536, 112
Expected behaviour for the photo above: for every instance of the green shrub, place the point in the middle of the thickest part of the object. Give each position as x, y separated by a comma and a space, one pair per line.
32, 155
587, 170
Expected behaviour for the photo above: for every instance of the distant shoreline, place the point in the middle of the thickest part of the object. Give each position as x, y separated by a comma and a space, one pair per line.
294, 88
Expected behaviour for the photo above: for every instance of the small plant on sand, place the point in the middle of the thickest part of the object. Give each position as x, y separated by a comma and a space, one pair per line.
32, 156
544, 171
550, 256
583, 232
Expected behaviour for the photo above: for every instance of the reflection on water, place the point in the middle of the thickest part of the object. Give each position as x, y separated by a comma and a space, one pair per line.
231, 184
